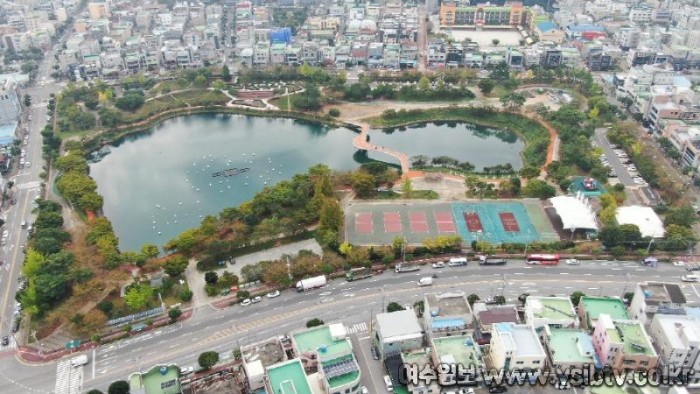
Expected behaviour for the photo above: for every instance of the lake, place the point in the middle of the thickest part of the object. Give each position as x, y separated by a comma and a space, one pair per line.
159, 183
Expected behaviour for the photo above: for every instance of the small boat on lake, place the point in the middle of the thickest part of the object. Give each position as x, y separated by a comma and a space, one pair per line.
230, 172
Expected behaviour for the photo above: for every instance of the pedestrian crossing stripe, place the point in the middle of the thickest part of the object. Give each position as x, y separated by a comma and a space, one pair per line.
28, 185
69, 380
355, 328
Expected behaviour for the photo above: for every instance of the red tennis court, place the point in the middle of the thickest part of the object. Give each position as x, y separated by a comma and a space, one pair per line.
417, 217
419, 227
392, 217
443, 217
509, 222
473, 222
363, 223
363, 217
446, 227
392, 227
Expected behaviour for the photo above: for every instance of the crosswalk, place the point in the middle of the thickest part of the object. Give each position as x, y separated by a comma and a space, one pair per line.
28, 185
69, 380
10, 346
357, 328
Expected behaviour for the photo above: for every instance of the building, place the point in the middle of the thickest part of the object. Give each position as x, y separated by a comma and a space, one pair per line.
288, 377
651, 298
516, 347
641, 13
457, 13
98, 10
677, 339
258, 357
160, 379
623, 344
546, 311
10, 107
589, 308
447, 314
328, 350
549, 31
396, 332
568, 348
456, 350
485, 316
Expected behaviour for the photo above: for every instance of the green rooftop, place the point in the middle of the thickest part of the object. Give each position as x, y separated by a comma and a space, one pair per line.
594, 306
552, 307
318, 338
635, 339
288, 378
155, 382
570, 346
463, 350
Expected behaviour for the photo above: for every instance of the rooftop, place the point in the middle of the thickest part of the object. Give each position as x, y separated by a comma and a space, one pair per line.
498, 314
611, 306
396, 325
679, 330
288, 378
550, 308
570, 346
320, 340
461, 350
634, 338
153, 381
269, 352
656, 292
448, 304
521, 338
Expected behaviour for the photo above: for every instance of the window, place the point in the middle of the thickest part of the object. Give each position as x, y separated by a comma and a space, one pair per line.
536, 362
519, 362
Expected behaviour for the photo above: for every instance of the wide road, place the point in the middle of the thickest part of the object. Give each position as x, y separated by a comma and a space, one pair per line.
26, 188
350, 303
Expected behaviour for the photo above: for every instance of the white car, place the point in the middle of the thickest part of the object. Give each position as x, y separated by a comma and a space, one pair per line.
467, 390
187, 370
363, 390
679, 263
572, 262
255, 300
245, 302
439, 264
273, 294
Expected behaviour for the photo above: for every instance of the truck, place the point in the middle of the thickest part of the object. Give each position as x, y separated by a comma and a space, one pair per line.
457, 261
311, 283
79, 360
358, 273
485, 260
427, 281
404, 267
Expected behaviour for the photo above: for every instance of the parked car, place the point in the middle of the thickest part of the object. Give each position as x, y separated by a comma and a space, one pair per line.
187, 370
692, 267
363, 390
375, 353
245, 302
572, 262
273, 294
497, 389
439, 264
5, 340
679, 263
690, 278
255, 300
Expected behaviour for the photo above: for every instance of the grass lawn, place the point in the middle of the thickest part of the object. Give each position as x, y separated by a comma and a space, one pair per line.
416, 194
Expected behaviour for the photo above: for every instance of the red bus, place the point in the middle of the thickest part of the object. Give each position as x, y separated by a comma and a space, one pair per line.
543, 259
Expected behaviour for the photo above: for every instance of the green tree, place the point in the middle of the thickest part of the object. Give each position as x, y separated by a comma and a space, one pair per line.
407, 188
72, 162
174, 314
211, 277
683, 215
226, 74
150, 251
611, 236
175, 266
512, 100
138, 297
219, 85
486, 85
537, 188
334, 112
576, 297
495, 42
363, 184
315, 322
472, 298
208, 359
119, 387
200, 81
394, 307
499, 300
95, 391
130, 101
424, 84
529, 172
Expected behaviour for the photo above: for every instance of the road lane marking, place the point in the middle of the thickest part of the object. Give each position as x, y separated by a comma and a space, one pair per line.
695, 290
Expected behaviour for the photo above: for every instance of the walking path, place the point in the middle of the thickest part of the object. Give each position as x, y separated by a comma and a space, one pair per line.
360, 142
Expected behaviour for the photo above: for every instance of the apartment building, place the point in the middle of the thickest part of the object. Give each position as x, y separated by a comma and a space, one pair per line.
651, 298
457, 13
590, 308
447, 314
623, 344
516, 347
677, 339
550, 311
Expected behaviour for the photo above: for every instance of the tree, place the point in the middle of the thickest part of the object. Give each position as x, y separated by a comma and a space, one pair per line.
683, 215
211, 277
119, 387
315, 322
334, 112
130, 101
472, 298
226, 74
486, 85
175, 266
94, 391
363, 184
537, 188
495, 42
200, 81
174, 314
512, 100
529, 172
424, 84
219, 85
394, 307
499, 300
138, 297
611, 236
523, 298
576, 297
208, 359
150, 251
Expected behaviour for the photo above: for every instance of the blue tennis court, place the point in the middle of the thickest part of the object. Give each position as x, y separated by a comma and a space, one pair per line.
496, 222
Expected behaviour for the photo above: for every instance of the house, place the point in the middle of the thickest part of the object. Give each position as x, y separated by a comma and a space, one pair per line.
623, 344
568, 348
288, 376
459, 350
447, 314
516, 347
396, 332
549, 31
585, 32
419, 359
257, 357
677, 339
555, 311
328, 350
589, 308
485, 316
651, 298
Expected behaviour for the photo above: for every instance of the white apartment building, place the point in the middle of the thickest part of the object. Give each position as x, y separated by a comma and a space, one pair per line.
641, 14
516, 347
677, 339
651, 298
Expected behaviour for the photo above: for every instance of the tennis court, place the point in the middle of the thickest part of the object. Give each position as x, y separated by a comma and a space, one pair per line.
379, 223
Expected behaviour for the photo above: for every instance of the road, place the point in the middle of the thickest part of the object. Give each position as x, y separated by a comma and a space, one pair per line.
26, 188
350, 303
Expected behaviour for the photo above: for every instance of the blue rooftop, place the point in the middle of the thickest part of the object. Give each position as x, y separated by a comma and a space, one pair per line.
586, 28
450, 322
7, 134
547, 26
682, 82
